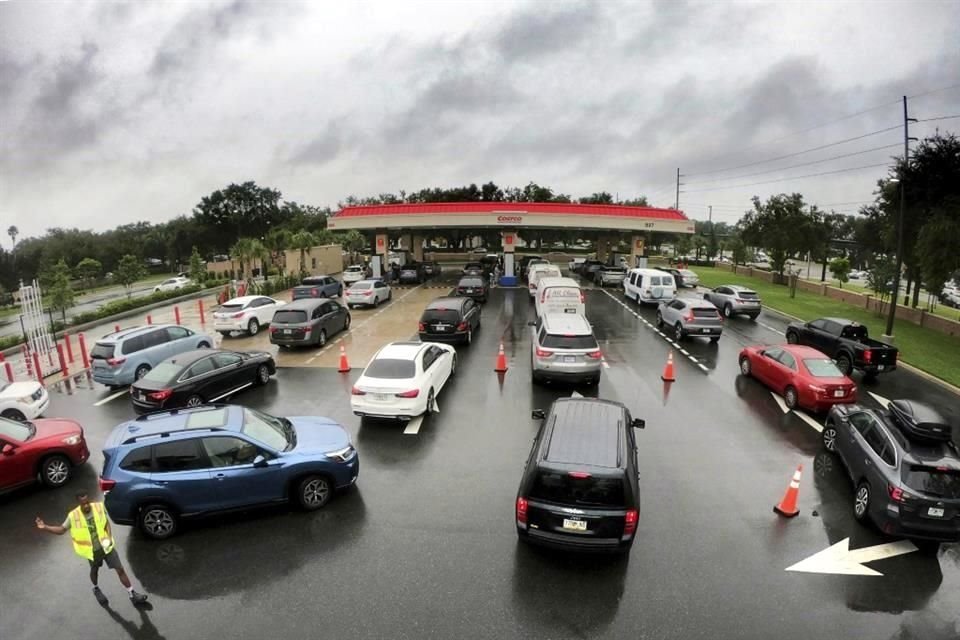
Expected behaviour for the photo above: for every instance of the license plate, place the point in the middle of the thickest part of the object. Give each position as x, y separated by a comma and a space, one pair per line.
932, 511
704, 330
469, 290
287, 331
569, 358
381, 397
569, 310
838, 393
881, 367
575, 525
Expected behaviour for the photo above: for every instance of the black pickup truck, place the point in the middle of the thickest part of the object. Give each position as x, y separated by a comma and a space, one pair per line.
846, 342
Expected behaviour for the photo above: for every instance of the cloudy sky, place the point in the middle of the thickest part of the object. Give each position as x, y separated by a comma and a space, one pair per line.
117, 112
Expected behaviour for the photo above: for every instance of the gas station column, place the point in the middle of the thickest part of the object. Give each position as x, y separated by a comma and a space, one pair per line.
603, 248
638, 251
381, 245
417, 248
509, 243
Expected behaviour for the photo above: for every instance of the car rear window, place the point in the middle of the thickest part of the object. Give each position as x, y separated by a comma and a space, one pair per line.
858, 332
562, 292
289, 316
231, 307
138, 460
704, 312
362, 286
747, 295
471, 282
822, 368
443, 315
102, 351
656, 281
163, 372
943, 483
554, 341
354, 269
390, 368
563, 488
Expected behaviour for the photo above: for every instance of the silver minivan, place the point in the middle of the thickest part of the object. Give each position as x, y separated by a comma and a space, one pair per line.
118, 359
564, 349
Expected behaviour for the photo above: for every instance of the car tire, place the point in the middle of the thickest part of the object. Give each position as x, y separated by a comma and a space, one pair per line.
659, 320
157, 521
55, 471
253, 327
141, 371
314, 492
193, 401
469, 338
829, 437
790, 397
389, 295
678, 332
792, 338
346, 322
844, 364
376, 300
225, 334
340, 291
322, 338
714, 339
745, 366
753, 316
203, 345
263, 375
861, 502
728, 310
14, 414
453, 366
431, 398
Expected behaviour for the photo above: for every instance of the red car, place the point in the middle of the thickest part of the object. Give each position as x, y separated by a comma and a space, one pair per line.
804, 376
47, 448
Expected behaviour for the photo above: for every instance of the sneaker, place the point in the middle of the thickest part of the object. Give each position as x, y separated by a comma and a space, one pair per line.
102, 599
138, 598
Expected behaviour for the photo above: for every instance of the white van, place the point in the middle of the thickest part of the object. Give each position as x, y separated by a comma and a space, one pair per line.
649, 285
559, 295
539, 271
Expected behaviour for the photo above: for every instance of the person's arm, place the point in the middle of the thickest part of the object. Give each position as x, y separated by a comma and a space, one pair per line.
52, 528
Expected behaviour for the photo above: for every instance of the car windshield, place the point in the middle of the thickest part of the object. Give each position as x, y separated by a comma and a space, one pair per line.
563, 488
390, 369
163, 372
553, 341
276, 433
822, 368
289, 316
943, 483
19, 431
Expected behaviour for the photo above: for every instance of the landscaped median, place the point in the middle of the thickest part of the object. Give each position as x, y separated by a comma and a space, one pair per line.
936, 353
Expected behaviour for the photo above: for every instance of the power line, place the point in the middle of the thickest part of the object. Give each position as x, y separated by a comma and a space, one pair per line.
939, 118
802, 164
809, 175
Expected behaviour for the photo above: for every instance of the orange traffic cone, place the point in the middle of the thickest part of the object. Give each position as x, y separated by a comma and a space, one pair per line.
501, 361
344, 365
668, 370
788, 506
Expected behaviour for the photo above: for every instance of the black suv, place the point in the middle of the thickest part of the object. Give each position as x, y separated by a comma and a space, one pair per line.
904, 466
450, 319
580, 488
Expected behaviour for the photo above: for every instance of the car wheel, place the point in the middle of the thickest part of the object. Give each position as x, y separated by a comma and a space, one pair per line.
844, 364
659, 320
790, 397
203, 345
678, 332
340, 291
322, 338
861, 502
469, 339
728, 310
141, 371
829, 437
158, 521
453, 366
263, 374
225, 334
714, 339
194, 401
792, 337
430, 401
14, 414
389, 295
376, 300
314, 492
753, 316
745, 365
346, 322
55, 471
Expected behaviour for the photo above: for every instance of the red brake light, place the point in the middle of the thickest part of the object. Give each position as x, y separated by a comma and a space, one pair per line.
522, 510
583, 298
421, 326
116, 362
314, 292
579, 475
896, 493
237, 315
106, 485
630, 522
689, 316
273, 329
462, 326
161, 395
413, 393
867, 356
543, 353
596, 355
357, 392
368, 292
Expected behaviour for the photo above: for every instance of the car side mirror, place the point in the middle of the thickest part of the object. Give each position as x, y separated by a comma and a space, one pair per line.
639, 423
538, 414
260, 461
8, 449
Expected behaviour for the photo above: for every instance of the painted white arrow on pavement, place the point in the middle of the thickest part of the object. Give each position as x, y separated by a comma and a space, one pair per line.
883, 401
841, 560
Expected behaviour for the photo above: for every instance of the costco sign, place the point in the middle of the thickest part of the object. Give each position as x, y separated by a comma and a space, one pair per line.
509, 219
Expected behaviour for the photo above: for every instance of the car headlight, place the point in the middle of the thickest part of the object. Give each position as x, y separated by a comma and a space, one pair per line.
25, 400
71, 440
342, 455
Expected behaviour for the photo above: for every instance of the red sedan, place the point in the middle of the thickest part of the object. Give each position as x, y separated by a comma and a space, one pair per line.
47, 448
804, 376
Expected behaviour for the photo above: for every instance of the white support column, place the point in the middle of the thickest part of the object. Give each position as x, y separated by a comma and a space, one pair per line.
508, 242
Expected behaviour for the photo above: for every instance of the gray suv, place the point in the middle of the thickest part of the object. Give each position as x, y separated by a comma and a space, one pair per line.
564, 349
690, 317
118, 359
733, 299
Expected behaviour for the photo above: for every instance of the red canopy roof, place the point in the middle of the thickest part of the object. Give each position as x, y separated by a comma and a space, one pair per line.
533, 208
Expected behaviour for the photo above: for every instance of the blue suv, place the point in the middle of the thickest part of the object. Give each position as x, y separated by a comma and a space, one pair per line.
121, 358
164, 467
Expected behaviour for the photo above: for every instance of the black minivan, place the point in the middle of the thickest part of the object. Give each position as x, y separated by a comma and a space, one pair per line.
449, 319
580, 487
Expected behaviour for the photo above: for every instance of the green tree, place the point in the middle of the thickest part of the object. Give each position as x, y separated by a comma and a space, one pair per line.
246, 251
739, 250
239, 210
198, 270
682, 245
303, 241
13, 232
878, 275
88, 270
639, 201
937, 246
58, 290
128, 271
597, 198
840, 268
778, 226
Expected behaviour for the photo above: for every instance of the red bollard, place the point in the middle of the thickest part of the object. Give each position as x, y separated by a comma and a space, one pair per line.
66, 340
63, 362
202, 319
36, 367
116, 328
176, 314
9, 369
1, 358
149, 319
83, 352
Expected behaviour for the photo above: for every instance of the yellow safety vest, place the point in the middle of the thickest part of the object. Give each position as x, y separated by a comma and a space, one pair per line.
82, 543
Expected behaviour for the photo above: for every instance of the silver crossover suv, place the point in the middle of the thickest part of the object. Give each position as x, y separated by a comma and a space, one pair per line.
690, 317
564, 349
733, 299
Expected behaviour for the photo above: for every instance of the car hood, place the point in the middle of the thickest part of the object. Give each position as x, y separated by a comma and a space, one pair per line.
55, 428
19, 390
316, 434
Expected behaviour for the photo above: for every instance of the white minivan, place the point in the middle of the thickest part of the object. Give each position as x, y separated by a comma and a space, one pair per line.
559, 295
539, 271
649, 286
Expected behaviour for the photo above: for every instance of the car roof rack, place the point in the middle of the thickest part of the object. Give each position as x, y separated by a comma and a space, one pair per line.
167, 434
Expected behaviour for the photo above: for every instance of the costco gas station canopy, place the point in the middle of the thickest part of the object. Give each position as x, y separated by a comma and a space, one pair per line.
416, 220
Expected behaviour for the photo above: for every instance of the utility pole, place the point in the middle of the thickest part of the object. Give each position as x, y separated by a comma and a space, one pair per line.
903, 212
676, 203
710, 214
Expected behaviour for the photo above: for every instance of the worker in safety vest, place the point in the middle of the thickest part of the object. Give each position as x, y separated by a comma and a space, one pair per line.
93, 540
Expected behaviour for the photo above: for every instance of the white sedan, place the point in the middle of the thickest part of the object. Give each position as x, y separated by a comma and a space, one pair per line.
172, 284
403, 380
368, 293
22, 400
354, 273
246, 313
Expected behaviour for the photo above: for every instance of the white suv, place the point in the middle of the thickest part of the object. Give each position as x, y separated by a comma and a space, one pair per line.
172, 284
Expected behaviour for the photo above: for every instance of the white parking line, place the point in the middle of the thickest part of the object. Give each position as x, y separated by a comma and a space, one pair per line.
703, 367
109, 398
783, 405
876, 396
776, 331
810, 421
684, 351
413, 427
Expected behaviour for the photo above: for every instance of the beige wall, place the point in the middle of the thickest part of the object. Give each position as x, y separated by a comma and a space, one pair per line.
325, 259
227, 265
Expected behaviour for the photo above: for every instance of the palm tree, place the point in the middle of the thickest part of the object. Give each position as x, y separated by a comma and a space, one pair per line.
243, 251
304, 241
277, 241
13, 232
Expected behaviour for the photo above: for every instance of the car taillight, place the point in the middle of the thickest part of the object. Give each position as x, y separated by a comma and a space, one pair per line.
579, 475
163, 394
583, 298
867, 356
421, 326
116, 362
106, 485
413, 393
596, 355
630, 522
237, 315
368, 292
357, 392
314, 292
521, 510
689, 317
273, 329
543, 353
896, 493
462, 326
818, 390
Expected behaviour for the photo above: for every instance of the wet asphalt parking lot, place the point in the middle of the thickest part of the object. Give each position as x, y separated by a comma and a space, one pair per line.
425, 547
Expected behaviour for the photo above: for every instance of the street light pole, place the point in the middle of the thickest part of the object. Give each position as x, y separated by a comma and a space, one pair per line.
892, 313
